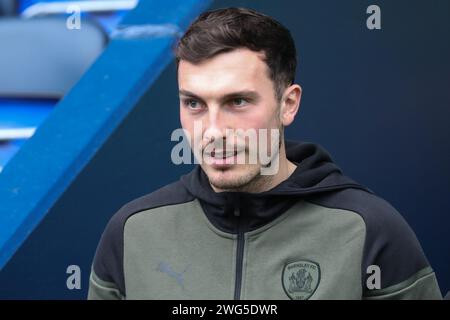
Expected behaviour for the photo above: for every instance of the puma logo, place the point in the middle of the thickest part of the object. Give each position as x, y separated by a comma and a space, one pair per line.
179, 277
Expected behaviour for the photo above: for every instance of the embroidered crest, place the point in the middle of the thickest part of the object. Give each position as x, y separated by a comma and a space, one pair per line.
300, 279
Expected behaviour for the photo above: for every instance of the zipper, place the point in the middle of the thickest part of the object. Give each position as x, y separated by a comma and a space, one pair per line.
239, 255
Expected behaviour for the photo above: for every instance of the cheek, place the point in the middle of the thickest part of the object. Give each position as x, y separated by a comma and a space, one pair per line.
261, 118
269, 120
187, 125
187, 122
192, 128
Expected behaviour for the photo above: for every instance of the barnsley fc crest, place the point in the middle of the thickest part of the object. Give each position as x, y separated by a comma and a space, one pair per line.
300, 279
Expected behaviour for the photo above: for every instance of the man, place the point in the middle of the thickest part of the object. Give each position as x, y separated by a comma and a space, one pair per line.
243, 226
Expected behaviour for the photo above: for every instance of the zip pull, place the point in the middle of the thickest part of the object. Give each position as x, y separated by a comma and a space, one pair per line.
237, 211
237, 205
234, 203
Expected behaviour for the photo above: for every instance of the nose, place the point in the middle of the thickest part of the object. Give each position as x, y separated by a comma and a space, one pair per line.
214, 127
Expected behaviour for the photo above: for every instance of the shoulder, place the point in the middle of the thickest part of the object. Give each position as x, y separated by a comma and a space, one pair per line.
108, 260
390, 243
173, 193
379, 216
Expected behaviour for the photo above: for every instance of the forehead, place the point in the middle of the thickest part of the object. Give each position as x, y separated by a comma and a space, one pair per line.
236, 70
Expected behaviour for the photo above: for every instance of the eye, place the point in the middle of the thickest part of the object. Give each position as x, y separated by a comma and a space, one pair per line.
239, 102
192, 104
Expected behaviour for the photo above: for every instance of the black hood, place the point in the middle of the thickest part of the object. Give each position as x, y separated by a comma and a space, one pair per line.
315, 173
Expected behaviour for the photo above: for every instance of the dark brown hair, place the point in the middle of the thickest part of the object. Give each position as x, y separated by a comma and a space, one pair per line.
224, 30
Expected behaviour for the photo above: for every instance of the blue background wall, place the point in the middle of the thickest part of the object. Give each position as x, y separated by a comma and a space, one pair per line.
378, 101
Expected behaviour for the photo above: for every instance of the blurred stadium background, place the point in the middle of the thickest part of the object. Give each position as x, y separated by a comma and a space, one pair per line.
86, 116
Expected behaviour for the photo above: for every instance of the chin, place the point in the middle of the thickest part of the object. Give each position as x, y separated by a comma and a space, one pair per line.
234, 177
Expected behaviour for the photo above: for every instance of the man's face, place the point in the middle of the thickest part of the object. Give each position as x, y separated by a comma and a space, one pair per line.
229, 91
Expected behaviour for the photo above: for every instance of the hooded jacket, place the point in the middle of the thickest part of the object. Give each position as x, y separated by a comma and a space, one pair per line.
316, 235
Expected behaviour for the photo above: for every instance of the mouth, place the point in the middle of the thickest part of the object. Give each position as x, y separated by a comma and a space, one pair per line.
222, 159
223, 154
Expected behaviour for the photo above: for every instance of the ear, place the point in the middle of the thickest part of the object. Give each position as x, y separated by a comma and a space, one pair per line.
290, 104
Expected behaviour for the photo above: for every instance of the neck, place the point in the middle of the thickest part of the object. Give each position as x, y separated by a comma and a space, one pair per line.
286, 168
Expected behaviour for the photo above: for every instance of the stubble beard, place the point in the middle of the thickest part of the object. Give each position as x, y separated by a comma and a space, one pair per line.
251, 181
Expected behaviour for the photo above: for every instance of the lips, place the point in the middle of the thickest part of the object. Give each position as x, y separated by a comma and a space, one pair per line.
223, 154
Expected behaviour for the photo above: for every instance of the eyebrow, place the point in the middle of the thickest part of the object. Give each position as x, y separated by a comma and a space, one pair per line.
238, 94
